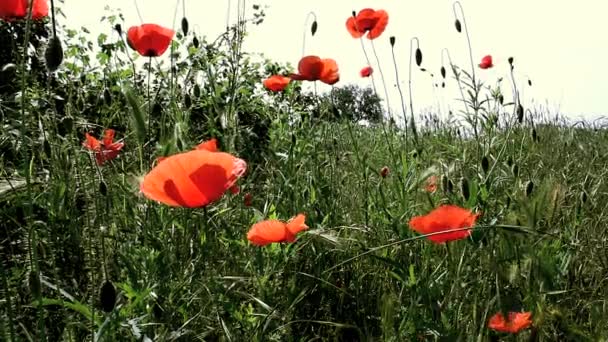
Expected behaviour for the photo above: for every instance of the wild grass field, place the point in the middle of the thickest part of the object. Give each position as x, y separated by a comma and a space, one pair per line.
116, 225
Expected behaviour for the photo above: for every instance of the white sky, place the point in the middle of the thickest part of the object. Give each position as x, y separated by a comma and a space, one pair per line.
561, 45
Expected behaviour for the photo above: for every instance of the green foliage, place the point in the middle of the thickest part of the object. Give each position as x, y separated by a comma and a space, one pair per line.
352, 103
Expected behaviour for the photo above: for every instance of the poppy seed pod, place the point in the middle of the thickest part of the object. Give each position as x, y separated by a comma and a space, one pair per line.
313, 28
442, 71
418, 57
185, 26
520, 113
464, 188
54, 54
510, 61
529, 188
107, 296
392, 40
485, 164
458, 26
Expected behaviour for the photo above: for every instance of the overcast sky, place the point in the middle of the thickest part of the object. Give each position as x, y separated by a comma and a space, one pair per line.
562, 46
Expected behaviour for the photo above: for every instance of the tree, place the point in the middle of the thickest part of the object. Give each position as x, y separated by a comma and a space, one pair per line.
353, 103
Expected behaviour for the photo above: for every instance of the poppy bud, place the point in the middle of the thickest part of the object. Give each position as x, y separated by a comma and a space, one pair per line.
197, 91
510, 61
47, 148
195, 42
354, 14
515, 170
54, 54
293, 139
509, 162
529, 82
34, 283
442, 71
485, 164
442, 84
583, 197
423, 70
418, 57
529, 188
464, 188
508, 201
107, 96
247, 199
107, 296
157, 108
187, 101
313, 28
103, 188
392, 40
118, 29
501, 99
458, 26
534, 135
185, 26
520, 113
384, 172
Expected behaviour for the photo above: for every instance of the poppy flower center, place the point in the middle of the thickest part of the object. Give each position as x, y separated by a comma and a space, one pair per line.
151, 53
366, 24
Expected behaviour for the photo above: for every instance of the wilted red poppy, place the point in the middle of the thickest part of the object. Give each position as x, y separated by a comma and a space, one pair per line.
368, 20
192, 179
150, 40
276, 82
516, 322
431, 184
17, 9
445, 217
271, 231
366, 72
104, 150
486, 62
313, 68
247, 199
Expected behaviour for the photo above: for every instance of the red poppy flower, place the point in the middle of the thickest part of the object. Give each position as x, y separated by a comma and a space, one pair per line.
247, 199
276, 82
104, 150
486, 62
17, 9
150, 40
368, 20
313, 68
192, 179
446, 217
271, 231
516, 322
366, 72
431, 184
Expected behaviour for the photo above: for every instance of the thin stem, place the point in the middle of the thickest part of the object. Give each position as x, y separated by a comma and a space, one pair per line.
413, 120
388, 105
400, 91
53, 18
466, 31
149, 102
306, 30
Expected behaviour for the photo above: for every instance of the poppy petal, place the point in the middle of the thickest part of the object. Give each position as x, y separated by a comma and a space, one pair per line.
209, 145
310, 67
330, 73
91, 142
108, 137
381, 21
269, 231
297, 224
351, 26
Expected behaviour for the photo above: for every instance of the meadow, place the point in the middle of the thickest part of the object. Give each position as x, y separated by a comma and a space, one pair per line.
142, 200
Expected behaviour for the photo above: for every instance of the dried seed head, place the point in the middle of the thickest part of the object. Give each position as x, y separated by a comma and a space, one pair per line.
520, 113
464, 188
442, 71
485, 164
392, 40
418, 57
103, 188
54, 54
185, 26
107, 296
384, 172
458, 26
529, 188
313, 28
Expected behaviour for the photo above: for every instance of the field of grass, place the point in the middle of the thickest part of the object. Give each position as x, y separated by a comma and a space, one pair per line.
85, 256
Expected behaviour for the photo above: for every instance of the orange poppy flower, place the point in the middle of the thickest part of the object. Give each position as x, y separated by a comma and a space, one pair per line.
445, 217
366, 72
276, 82
486, 62
313, 68
275, 231
431, 184
150, 40
192, 179
516, 322
17, 9
368, 20
104, 150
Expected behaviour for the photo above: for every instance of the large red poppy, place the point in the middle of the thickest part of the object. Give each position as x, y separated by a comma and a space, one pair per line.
516, 322
486, 62
150, 40
17, 9
276, 82
192, 179
445, 217
275, 231
104, 150
313, 68
368, 20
